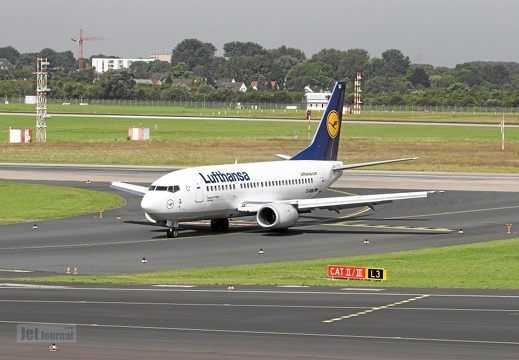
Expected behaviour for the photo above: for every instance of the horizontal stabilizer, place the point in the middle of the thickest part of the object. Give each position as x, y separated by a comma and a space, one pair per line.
283, 156
372, 163
130, 188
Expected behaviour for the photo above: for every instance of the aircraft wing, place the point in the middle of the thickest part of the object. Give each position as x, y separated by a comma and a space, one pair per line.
336, 203
343, 202
130, 188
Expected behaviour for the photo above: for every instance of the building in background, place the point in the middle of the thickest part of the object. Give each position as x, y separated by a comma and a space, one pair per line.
161, 56
317, 101
102, 65
6, 64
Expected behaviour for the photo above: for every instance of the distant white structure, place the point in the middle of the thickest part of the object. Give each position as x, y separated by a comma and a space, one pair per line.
20, 135
231, 85
356, 93
161, 56
317, 101
102, 65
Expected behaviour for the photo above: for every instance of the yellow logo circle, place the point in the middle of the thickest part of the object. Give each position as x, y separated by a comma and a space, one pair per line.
333, 124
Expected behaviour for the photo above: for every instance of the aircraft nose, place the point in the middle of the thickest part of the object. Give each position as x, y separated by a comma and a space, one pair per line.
149, 204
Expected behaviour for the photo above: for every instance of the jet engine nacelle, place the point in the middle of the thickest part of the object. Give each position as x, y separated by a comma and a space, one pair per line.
277, 216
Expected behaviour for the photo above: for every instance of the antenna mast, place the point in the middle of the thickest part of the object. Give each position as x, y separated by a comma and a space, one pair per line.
41, 99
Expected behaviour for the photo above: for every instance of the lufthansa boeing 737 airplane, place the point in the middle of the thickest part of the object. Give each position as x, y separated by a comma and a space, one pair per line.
276, 191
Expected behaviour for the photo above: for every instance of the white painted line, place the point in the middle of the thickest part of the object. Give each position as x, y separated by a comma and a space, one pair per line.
32, 286
361, 289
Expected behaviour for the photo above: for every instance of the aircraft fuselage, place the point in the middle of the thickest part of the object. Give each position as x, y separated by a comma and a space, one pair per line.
217, 191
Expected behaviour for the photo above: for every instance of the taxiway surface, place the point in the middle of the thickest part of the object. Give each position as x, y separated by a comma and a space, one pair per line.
129, 322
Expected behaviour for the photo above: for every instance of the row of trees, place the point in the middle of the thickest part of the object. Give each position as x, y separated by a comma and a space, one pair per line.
390, 79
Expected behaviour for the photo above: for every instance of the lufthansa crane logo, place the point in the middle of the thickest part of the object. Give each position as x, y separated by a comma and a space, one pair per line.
333, 124
170, 203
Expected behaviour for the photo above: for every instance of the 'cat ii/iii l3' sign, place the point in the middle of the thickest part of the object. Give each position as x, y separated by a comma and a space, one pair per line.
353, 272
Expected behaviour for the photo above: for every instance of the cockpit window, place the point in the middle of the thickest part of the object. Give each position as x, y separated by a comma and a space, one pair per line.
172, 189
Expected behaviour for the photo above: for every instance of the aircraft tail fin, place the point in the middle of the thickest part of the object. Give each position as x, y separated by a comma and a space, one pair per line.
325, 144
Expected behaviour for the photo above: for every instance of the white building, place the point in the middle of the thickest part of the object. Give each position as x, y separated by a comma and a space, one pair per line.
317, 101
102, 65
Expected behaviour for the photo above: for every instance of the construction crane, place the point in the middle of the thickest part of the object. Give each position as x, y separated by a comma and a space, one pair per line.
80, 41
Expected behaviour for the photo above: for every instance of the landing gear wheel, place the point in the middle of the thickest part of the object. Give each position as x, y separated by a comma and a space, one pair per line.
224, 224
214, 223
220, 224
172, 233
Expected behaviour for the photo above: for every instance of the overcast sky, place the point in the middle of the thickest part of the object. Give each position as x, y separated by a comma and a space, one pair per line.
437, 32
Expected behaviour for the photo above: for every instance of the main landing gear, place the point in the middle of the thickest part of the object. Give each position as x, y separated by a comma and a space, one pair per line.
216, 225
220, 224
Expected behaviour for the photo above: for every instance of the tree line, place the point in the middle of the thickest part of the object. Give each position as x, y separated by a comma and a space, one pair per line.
281, 75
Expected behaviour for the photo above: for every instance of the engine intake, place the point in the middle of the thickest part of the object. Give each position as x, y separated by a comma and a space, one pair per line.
277, 216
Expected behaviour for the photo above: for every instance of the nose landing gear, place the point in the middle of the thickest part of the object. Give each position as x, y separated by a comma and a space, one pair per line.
172, 233
173, 229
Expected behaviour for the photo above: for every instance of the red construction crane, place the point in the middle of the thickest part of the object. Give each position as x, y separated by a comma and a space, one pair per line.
80, 41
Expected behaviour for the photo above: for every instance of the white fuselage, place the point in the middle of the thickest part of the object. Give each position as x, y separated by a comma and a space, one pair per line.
211, 192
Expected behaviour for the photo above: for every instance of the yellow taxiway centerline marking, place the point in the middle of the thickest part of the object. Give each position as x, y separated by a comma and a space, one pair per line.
99, 243
394, 227
454, 212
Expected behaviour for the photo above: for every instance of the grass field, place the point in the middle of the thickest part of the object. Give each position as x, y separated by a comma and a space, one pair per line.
47, 202
491, 265
195, 142
163, 110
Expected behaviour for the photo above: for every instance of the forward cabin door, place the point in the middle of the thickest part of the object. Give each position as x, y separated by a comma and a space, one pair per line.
199, 193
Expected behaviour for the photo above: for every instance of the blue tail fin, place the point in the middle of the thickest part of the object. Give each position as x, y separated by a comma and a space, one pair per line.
325, 144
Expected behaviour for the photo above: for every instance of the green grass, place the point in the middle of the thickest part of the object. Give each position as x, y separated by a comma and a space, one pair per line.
27, 202
95, 130
162, 109
489, 265
195, 142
